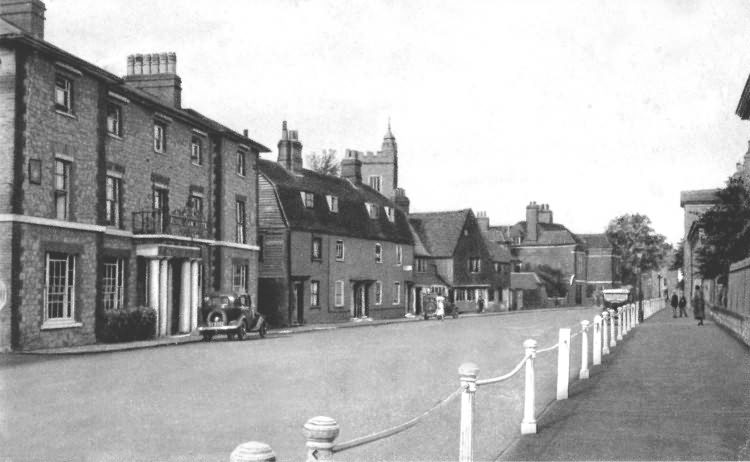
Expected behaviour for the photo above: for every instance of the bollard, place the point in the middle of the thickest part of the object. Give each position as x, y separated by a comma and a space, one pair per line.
619, 323
253, 451
612, 341
467, 374
628, 314
645, 308
563, 363
624, 321
320, 432
528, 424
605, 337
584, 373
597, 359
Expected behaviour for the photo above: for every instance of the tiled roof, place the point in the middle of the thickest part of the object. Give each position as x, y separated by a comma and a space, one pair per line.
439, 231
352, 218
429, 279
499, 252
699, 196
548, 234
524, 281
596, 241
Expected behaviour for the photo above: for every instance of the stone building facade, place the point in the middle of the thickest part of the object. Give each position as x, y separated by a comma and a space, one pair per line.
115, 196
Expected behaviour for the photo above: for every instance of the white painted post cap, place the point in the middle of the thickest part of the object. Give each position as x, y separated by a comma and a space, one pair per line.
253, 451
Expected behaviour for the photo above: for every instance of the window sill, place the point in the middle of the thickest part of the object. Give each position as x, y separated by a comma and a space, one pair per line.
66, 114
114, 136
163, 153
315, 308
196, 165
63, 324
239, 175
340, 259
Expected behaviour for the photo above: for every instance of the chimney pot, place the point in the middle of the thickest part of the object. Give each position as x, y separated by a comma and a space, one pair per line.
244, 133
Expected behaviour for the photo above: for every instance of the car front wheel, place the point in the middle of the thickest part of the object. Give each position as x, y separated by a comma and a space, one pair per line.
241, 330
262, 331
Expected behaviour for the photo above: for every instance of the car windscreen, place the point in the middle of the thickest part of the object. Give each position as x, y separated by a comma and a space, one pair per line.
218, 301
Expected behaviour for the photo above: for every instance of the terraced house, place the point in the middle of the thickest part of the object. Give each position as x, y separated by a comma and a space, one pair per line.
332, 248
112, 195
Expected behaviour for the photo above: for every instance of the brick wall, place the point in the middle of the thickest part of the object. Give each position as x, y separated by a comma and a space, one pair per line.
7, 124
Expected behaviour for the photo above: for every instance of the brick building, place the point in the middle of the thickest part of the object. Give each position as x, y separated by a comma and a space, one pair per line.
113, 195
333, 248
453, 243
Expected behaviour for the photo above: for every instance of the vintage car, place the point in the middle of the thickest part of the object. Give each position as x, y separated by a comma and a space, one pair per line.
429, 307
615, 298
230, 314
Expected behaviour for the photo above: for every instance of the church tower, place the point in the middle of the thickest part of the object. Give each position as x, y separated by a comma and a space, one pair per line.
380, 170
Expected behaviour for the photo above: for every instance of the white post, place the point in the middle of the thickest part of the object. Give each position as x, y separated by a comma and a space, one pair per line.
645, 309
153, 290
563, 363
253, 451
584, 373
468, 376
619, 323
185, 297
612, 341
605, 329
196, 297
597, 359
163, 296
627, 312
320, 433
528, 424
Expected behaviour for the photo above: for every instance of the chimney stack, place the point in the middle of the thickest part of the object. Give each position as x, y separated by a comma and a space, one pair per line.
27, 15
532, 218
545, 214
351, 167
484, 222
290, 149
156, 73
402, 202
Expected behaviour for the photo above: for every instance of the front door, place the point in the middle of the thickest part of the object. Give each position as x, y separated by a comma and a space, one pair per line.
299, 292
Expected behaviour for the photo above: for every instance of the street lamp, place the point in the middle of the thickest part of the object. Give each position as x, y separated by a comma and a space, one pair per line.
639, 288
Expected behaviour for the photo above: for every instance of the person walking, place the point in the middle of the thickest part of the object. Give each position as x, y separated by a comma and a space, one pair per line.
674, 302
682, 304
699, 307
480, 304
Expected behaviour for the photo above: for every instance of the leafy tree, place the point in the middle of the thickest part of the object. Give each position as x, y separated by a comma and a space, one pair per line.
630, 234
678, 256
325, 162
726, 231
553, 279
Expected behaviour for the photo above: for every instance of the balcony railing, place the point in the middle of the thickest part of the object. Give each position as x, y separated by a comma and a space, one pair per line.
184, 222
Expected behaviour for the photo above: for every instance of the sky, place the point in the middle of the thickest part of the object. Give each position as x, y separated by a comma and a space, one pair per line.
595, 107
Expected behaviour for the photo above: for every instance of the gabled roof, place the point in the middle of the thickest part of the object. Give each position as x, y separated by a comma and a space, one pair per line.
429, 279
699, 196
525, 281
500, 252
439, 231
352, 218
548, 234
596, 241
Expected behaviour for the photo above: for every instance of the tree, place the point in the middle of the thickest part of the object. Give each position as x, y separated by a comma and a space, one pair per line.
630, 234
726, 231
325, 162
678, 256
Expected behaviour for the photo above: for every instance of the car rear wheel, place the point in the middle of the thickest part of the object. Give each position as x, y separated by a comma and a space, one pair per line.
262, 331
207, 337
241, 330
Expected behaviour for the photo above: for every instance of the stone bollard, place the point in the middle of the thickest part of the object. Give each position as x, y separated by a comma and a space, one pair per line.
612, 341
467, 374
253, 451
619, 323
626, 319
563, 363
597, 356
605, 329
320, 432
637, 320
584, 373
528, 424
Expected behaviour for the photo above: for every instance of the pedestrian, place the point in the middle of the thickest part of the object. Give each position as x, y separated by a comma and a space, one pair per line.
480, 304
674, 302
682, 304
699, 307
440, 307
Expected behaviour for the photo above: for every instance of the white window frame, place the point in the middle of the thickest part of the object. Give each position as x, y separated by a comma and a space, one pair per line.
421, 264
333, 203
239, 277
378, 253
160, 137
62, 189
196, 150
475, 268
241, 163
319, 254
113, 284
114, 124
372, 210
308, 199
63, 267
340, 245
396, 292
399, 255
240, 215
64, 94
339, 293
375, 182
390, 214
315, 294
378, 293
113, 198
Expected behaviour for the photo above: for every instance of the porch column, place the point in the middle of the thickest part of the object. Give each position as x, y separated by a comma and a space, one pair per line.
196, 298
153, 289
186, 293
163, 299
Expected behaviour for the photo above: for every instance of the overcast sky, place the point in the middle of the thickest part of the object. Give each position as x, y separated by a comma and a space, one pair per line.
597, 108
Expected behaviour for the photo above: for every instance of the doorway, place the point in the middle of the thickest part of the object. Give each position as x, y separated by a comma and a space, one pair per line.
299, 303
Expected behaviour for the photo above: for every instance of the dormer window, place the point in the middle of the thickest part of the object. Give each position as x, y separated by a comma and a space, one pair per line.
372, 210
308, 199
389, 213
333, 204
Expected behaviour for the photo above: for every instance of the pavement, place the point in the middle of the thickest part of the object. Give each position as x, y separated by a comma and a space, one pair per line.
672, 390
191, 338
